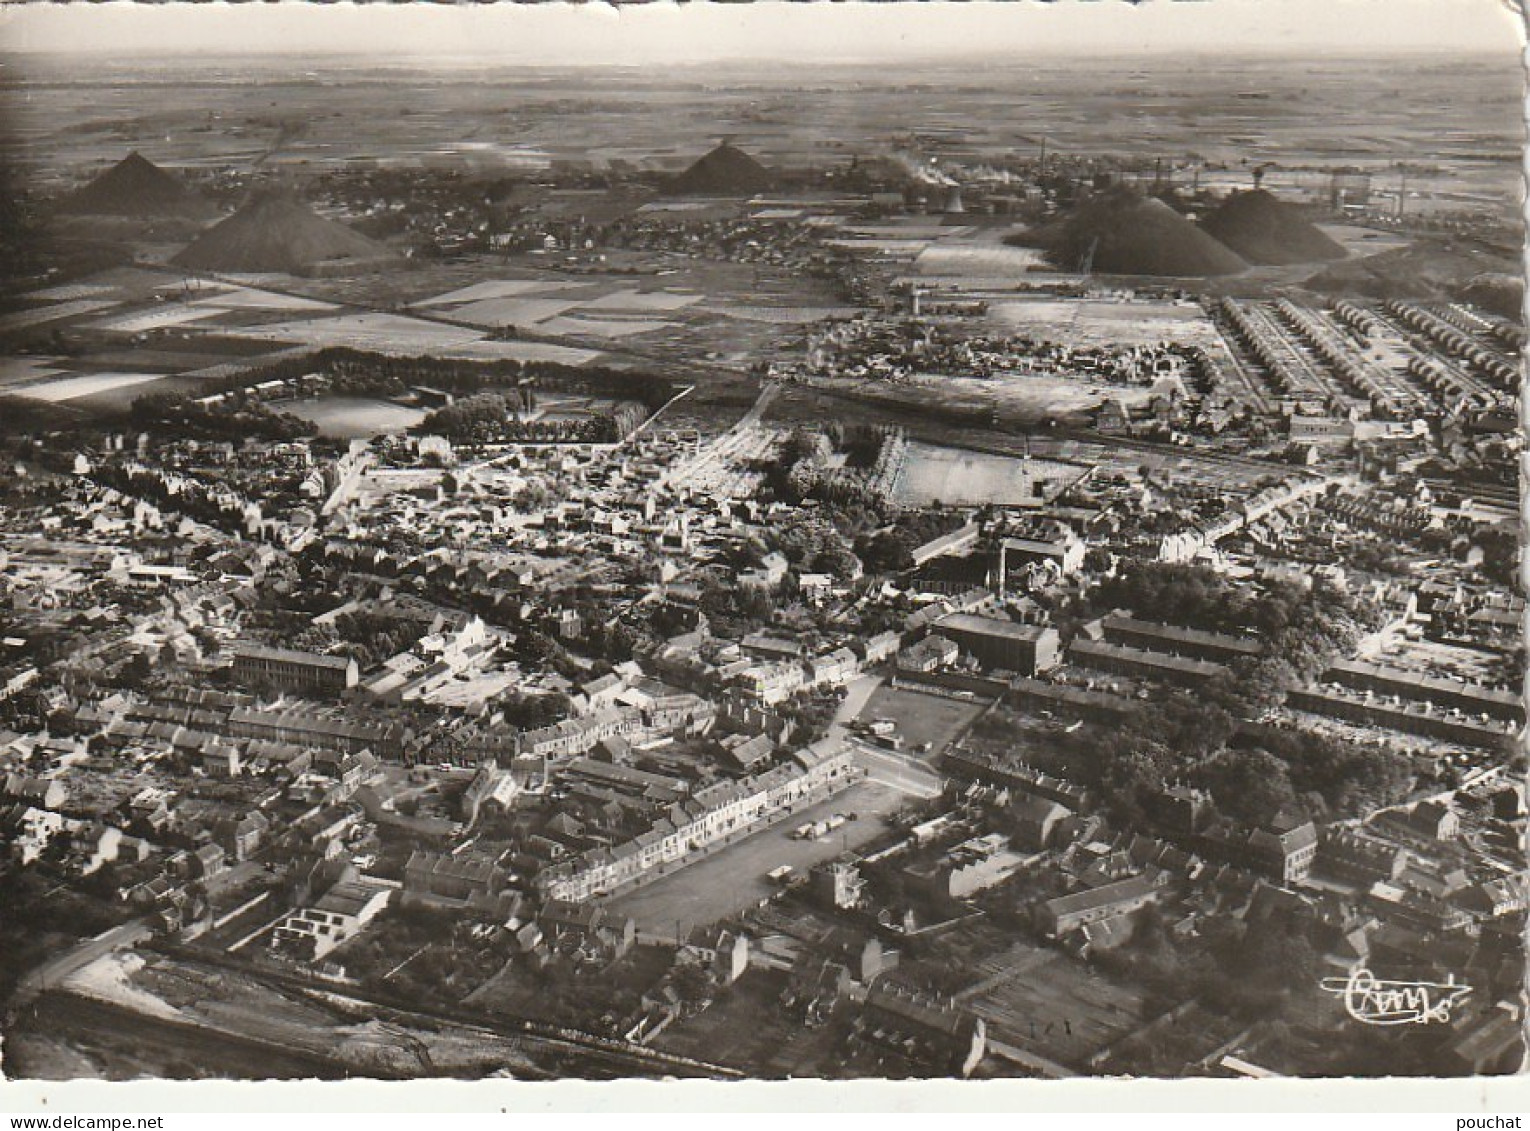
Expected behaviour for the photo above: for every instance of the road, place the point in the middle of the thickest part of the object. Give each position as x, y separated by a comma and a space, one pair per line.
858, 693
51, 973
882, 766
897, 771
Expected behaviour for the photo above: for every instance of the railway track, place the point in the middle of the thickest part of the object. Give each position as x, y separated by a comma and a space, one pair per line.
613, 1056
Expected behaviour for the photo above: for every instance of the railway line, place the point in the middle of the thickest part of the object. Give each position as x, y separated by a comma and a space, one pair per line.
596, 1056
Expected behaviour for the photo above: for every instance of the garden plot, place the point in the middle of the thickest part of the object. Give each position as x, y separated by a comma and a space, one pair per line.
1056, 1007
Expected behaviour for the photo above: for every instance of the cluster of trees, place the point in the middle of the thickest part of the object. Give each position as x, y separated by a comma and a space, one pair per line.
1343, 777
891, 549
1500, 554
55, 916
147, 485
1198, 596
730, 611
236, 420
802, 468
815, 545
373, 637
383, 375
486, 418
1249, 971
1302, 628
809, 714
1154, 747
531, 710
1252, 773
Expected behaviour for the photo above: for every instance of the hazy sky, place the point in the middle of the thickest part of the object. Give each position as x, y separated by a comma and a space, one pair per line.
697, 32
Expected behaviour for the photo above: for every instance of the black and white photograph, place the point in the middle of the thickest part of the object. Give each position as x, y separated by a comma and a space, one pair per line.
762, 542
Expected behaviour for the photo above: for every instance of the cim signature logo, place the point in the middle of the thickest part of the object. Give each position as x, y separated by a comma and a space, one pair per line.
1373, 1001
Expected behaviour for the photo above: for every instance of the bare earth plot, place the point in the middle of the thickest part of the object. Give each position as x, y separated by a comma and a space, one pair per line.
986, 260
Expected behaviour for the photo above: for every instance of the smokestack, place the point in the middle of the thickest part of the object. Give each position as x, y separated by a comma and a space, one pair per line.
953, 206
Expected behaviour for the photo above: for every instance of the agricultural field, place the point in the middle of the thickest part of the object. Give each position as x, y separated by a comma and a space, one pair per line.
62, 388
367, 331
253, 298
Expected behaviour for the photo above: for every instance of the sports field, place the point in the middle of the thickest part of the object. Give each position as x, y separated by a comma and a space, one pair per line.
961, 478
349, 418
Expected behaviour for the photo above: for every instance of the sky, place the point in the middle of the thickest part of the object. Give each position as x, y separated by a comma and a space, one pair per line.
707, 32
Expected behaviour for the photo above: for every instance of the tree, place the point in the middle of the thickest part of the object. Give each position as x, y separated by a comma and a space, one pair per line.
1250, 785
